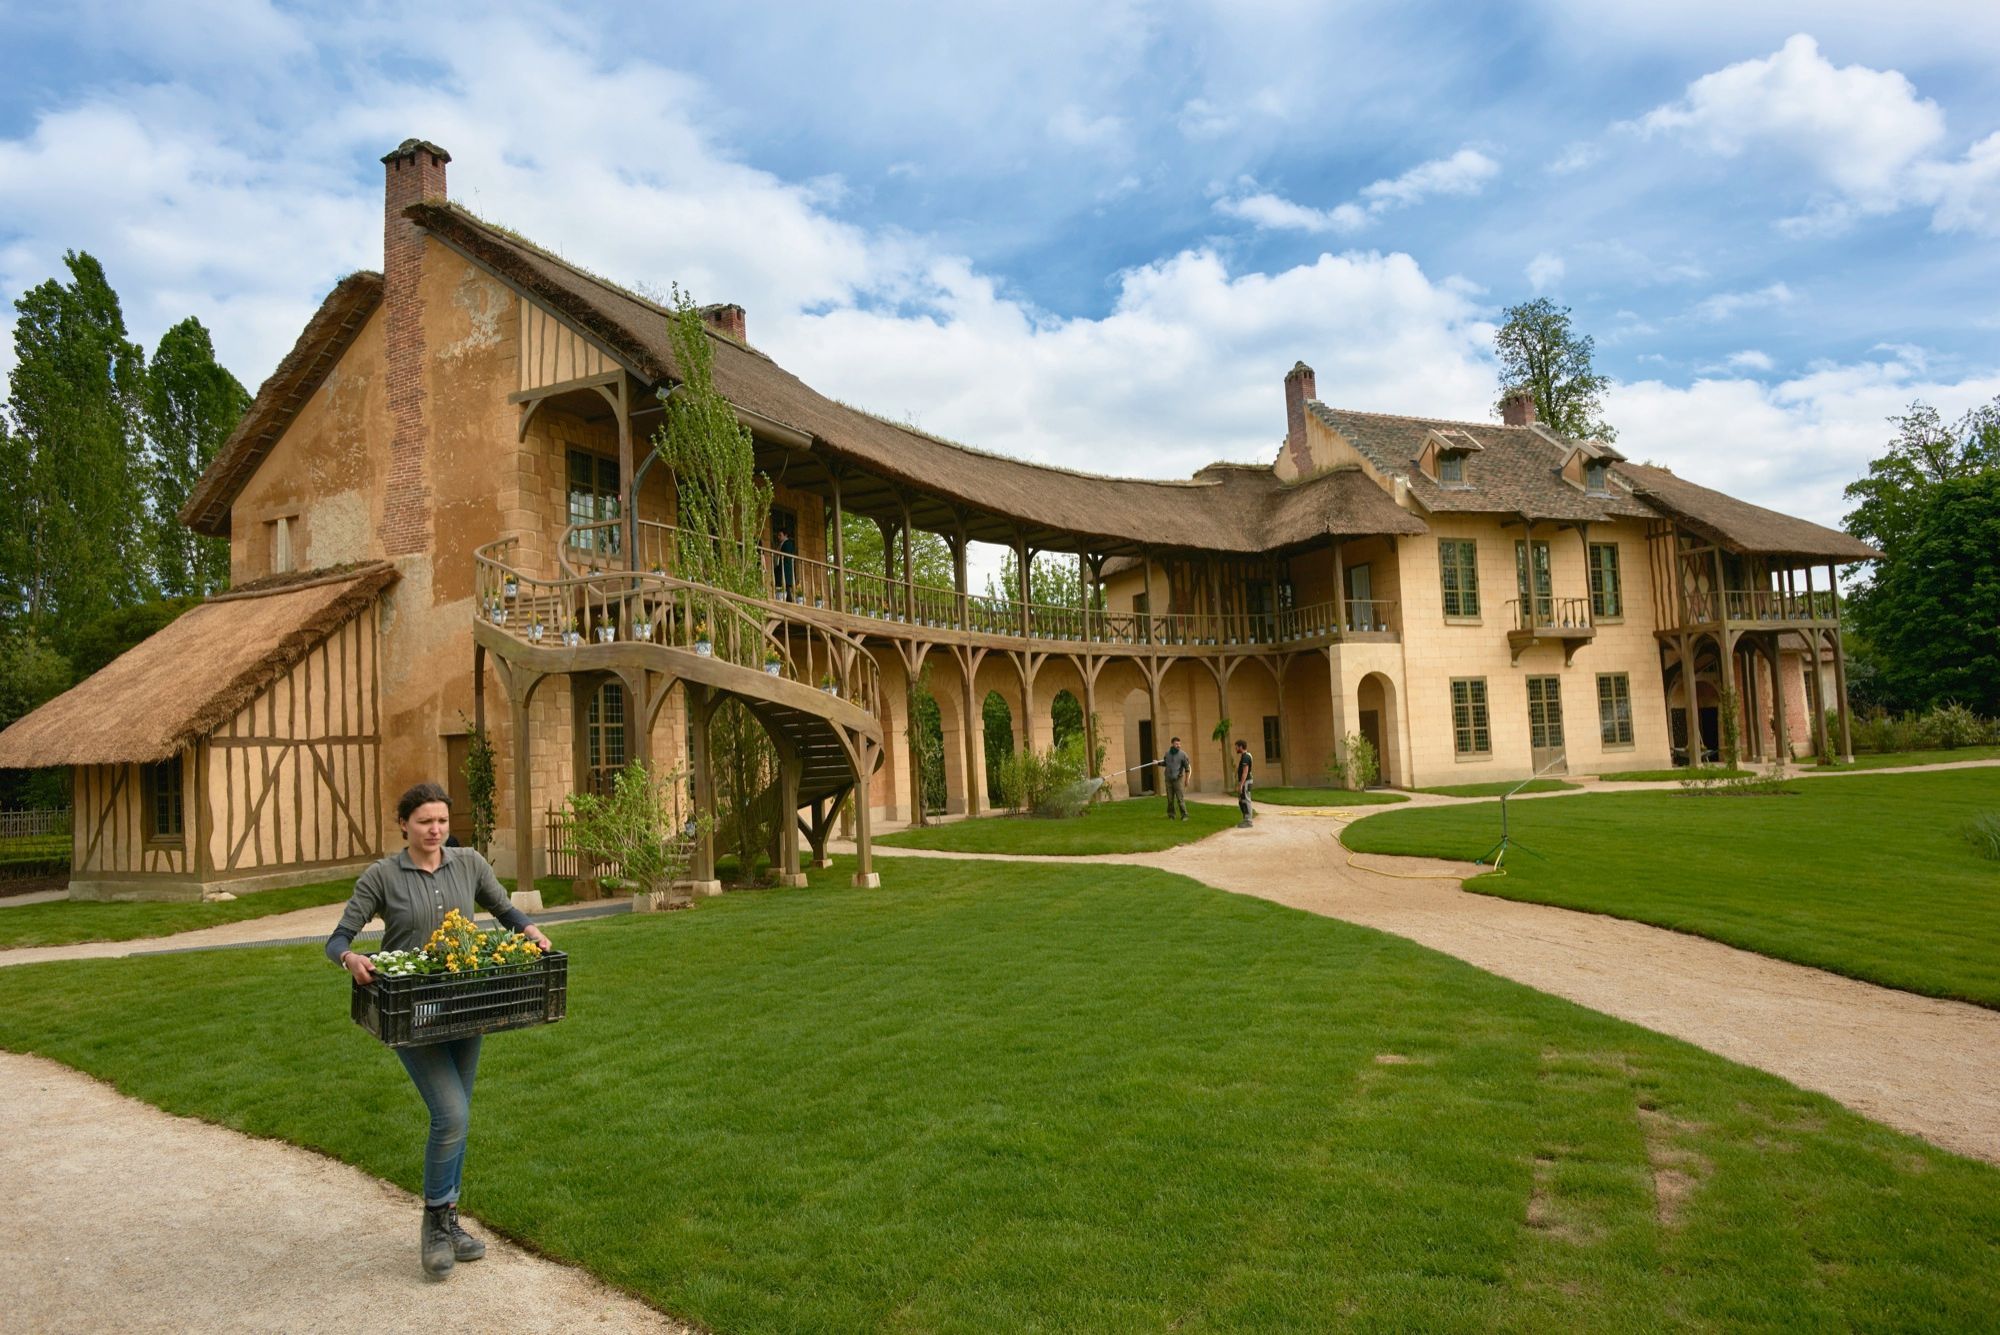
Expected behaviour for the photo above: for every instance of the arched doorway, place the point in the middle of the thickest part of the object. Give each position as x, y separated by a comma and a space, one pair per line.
1375, 711
999, 724
1065, 718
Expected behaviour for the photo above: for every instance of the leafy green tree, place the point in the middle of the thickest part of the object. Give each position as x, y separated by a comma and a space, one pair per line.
930, 554
997, 720
1924, 455
102, 639
1540, 352
1935, 606
190, 405
71, 470
723, 507
32, 671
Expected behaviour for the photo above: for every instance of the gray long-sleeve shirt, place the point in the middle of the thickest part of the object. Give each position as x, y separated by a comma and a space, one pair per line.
411, 902
1175, 762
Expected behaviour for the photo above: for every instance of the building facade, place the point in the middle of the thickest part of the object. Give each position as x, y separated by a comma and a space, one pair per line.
465, 438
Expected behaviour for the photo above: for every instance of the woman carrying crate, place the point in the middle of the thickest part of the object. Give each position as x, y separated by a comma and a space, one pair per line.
411, 892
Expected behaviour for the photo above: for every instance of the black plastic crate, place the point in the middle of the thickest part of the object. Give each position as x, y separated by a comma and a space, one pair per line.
435, 1008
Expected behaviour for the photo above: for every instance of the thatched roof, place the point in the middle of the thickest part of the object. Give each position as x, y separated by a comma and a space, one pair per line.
1515, 470
1241, 514
194, 674
1739, 525
326, 336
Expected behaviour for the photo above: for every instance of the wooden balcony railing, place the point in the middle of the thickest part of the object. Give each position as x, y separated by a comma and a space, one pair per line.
802, 581
614, 606
1549, 614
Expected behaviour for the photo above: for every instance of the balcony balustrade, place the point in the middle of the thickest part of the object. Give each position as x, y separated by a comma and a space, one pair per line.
805, 582
1764, 606
1543, 619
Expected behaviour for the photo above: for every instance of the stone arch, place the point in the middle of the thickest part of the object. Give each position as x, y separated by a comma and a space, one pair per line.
1375, 719
1065, 717
997, 717
1143, 743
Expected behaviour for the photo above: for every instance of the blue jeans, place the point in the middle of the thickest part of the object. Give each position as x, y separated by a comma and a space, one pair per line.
443, 1074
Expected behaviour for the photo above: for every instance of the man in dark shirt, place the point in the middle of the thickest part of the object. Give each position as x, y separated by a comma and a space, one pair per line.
784, 566
1175, 766
1243, 783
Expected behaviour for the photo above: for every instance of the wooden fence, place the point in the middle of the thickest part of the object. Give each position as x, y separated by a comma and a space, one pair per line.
22, 824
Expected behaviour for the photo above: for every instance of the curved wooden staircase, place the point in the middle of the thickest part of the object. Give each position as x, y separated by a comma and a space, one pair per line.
815, 693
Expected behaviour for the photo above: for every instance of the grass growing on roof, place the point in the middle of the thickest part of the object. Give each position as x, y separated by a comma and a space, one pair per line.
1505, 786
1135, 825
999, 1097
1887, 759
1327, 797
1868, 877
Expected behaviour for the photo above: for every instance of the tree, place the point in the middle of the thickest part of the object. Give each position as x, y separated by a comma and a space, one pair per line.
722, 507
929, 553
71, 469
1925, 463
1935, 607
32, 672
1541, 354
189, 406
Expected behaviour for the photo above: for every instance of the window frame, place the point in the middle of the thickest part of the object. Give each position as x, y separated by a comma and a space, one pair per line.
603, 501
1477, 724
1451, 470
1274, 740
1620, 697
152, 791
1599, 599
1460, 569
598, 732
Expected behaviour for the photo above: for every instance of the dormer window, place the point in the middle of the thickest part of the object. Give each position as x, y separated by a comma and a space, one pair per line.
1443, 455
1597, 476
1451, 469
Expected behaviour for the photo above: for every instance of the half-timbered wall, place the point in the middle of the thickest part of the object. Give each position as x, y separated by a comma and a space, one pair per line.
111, 836
295, 780
552, 353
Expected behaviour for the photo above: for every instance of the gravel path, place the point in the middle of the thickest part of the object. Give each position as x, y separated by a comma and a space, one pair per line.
123, 1218
1931, 1068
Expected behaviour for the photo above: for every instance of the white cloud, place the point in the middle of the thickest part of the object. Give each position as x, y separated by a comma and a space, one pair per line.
1465, 172
1072, 125
1545, 271
1864, 133
1729, 305
1750, 359
1577, 157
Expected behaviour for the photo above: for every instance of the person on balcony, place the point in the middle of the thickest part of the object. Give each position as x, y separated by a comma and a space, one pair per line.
411, 892
1243, 783
1175, 765
784, 566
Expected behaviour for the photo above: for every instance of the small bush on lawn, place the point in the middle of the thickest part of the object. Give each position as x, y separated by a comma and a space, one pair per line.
1357, 766
1983, 832
1048, 783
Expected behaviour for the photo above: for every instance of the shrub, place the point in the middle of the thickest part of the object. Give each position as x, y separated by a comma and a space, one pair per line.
1983, 833
1951, 725
635, 828
1357, 766
1047, 783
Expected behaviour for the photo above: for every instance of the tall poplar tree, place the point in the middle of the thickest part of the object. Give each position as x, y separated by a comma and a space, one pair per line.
190, 405
71, 474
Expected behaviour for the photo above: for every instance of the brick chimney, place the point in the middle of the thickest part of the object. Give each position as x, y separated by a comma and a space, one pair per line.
412, 173
728, 320
1299, 387
1517, 408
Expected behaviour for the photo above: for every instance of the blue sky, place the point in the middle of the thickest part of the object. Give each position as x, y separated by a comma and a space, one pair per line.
1098, 236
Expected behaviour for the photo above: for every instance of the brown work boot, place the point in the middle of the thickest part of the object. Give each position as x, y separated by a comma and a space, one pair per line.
437, 1243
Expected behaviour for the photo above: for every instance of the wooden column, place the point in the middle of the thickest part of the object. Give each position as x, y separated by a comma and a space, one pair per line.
960, 540
1089, 675
1816, 689
1781, 728
1840, 688
1152, 610
1279, 666
974, 743
1340, 589
839, 548
628, 484
527, 863
789, 768
909, 573
865, 876
1022, 560
1691, 699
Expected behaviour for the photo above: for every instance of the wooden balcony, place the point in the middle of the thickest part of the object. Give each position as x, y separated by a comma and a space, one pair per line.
1767, 608
870, 605
1564, 621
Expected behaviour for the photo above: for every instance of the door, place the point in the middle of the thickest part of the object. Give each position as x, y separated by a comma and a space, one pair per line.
456, 749
1537, 588
1259, 602
1361, 598
1148, 777
1545, 725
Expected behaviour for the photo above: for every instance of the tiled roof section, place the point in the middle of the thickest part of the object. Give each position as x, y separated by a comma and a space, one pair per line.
325, 337
1516, 470
1739, 525
1227, 513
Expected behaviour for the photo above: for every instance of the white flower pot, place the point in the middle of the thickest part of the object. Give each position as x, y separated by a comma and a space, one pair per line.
535, 632
499, 615
572, 638
833, 691
642, 630
513, 589
704, 648
606, 634
771, 669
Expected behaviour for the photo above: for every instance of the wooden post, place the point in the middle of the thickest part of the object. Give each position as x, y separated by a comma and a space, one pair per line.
839, 548
1816, 691
1340, 589
1090, 765
1840, 688
1022, 560
1279, 666
973, 743
958, 574
789, 767
627, 521
526, 863
1781, 726
865, 875
909, 573
1152, 610
1691, 700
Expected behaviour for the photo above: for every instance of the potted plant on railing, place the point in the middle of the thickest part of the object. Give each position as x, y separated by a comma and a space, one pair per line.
642, 626
512, 587
702, 644
607, 631
496, 611
829, 685
536, 629
572, 637
772, 663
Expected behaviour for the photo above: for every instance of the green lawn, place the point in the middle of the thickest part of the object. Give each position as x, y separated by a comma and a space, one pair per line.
1328, 797
1869, 877
1885, 759
1675, 775
1135, 825
990, 1098
1496, 789
64, 922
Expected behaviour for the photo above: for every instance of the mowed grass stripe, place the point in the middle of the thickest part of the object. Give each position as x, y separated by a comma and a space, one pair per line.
991, 1097
1868, 876
1134, 825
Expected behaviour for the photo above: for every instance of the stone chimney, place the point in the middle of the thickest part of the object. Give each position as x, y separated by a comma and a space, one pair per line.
412, 173
727, 319
1299, 387
1517, 408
